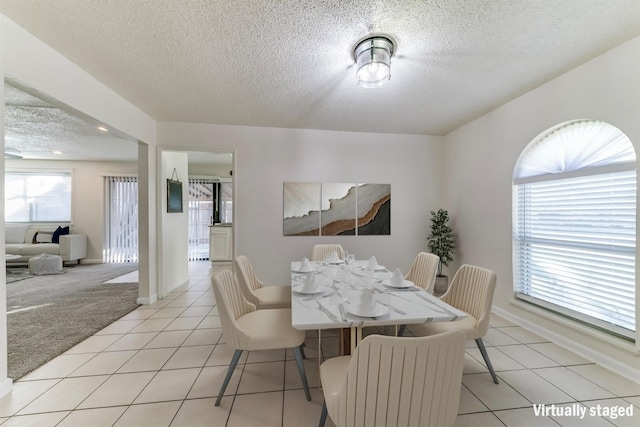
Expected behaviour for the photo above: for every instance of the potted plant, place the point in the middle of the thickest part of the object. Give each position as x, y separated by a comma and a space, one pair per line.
441, 243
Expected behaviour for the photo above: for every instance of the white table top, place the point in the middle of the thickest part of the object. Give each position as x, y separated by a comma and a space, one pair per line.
321, 310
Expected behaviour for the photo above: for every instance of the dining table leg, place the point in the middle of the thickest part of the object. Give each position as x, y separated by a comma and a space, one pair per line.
344, 341
356, 337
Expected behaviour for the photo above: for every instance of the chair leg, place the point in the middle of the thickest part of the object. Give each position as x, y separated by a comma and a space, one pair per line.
303, 375
485, 355
302, 351
232, 367
323, 414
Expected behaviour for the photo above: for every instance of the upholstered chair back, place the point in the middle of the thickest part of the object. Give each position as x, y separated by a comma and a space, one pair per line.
471, 291
319, 252
423, 271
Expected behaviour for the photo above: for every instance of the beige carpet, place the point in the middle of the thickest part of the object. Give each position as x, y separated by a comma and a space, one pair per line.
47, 315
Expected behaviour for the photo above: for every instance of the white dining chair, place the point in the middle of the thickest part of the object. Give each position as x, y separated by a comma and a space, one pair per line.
471, 291
422, 274
423, 271
320, 252
391, 381
246, 328
255, 291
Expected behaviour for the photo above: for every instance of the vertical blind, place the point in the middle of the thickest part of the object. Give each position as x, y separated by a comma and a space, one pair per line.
201, 211
121, 231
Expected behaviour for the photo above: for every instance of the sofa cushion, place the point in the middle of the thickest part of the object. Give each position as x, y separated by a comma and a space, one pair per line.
41, 248
60, 231
15, 233
13, 248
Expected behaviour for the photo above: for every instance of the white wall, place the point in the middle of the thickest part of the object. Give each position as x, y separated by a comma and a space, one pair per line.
173, 240
5, 383
267, 157
87, 199
481, 156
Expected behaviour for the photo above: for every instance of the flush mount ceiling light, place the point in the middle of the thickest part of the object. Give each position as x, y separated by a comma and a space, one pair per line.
373, 61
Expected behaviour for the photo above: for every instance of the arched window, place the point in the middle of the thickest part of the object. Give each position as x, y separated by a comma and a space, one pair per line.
574, 224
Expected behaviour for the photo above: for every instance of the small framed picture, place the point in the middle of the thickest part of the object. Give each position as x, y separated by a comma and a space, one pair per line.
174, 196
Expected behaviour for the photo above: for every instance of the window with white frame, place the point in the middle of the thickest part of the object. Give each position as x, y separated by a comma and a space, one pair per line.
574, 225
37, 196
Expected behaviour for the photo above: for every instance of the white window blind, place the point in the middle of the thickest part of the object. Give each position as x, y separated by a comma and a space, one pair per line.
37, 196
121, 234
575, 233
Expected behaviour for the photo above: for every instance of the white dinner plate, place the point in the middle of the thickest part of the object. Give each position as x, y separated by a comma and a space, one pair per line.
377, 267
405, 284
378, 310
300, 289
335, 262
298, 270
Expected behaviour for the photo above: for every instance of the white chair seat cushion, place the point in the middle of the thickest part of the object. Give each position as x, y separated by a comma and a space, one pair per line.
467, 325
274, 297
269, 329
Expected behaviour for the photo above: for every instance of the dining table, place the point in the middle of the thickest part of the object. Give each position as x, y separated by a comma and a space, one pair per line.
353, 295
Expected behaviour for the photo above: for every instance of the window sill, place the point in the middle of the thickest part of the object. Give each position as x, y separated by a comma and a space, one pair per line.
574, 325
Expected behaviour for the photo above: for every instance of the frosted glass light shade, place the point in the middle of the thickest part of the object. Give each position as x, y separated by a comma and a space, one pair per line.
373, 61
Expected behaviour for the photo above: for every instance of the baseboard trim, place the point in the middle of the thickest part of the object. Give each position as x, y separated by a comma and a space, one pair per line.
6, 386
147, 300
568, 344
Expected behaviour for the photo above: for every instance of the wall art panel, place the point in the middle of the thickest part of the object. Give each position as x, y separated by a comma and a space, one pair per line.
338, 209
301, 209
374, 209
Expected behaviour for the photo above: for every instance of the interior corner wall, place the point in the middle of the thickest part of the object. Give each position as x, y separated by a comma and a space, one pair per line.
174, 270
265, 158
22, 58
481, 156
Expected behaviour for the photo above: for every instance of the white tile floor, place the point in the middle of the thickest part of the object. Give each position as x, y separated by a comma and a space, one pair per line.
162, 365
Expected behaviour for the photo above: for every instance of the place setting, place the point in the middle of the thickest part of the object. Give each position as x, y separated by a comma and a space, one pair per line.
397, 282
310, 286
304, 267
367, 306
333, 259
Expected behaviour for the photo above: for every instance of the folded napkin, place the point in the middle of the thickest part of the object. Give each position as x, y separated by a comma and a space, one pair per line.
366, 304
310, 283
372, 263
304, 265
396, 278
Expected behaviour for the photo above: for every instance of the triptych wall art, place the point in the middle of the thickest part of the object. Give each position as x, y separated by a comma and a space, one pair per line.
336, 209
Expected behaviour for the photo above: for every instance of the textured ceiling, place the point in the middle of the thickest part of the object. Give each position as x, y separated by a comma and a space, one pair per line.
38, 129
288, 63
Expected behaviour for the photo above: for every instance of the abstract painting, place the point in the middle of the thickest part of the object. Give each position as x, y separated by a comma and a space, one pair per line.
334, 209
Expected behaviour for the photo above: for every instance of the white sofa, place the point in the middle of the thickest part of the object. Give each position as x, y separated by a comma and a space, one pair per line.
19, 241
